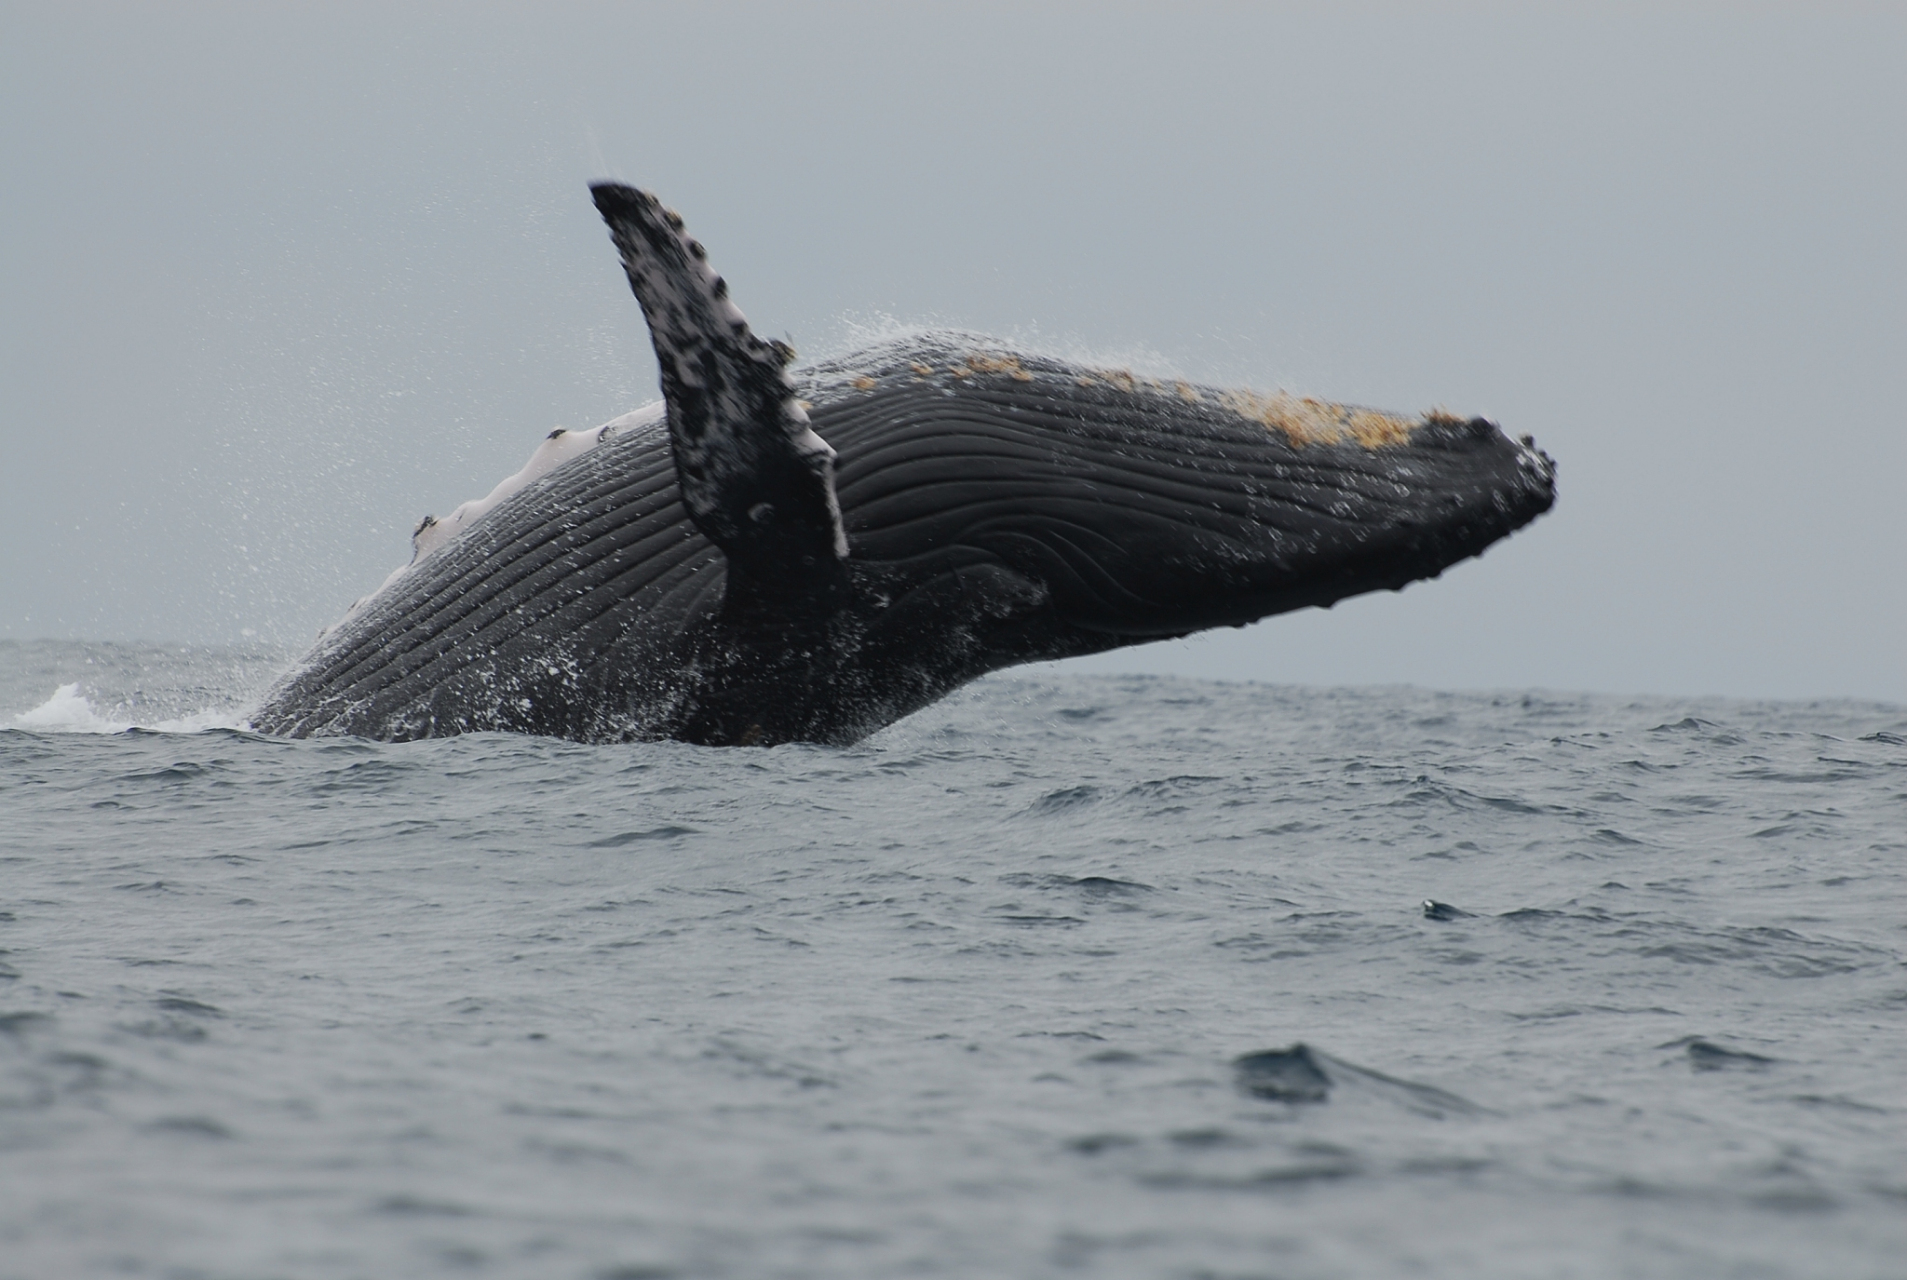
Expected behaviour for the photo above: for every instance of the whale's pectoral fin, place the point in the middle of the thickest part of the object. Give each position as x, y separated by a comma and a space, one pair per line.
756, 479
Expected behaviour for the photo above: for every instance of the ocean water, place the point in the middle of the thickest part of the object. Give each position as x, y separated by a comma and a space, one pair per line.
1069, 975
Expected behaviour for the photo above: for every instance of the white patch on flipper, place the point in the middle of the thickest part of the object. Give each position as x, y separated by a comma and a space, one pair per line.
557, 448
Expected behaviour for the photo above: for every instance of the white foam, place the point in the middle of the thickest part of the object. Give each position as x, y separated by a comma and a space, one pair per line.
70, 711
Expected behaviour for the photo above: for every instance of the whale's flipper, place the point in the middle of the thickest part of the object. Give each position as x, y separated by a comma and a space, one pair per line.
756, 479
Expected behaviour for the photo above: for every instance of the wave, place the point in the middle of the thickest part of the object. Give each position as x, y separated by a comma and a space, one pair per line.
70, 711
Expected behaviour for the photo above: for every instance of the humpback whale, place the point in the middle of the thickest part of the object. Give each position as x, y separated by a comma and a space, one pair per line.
783, 553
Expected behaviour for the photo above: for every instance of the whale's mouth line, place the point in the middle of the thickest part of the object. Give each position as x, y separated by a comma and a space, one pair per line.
957, 354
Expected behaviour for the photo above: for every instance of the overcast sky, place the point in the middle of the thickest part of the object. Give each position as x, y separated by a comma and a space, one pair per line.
277, 280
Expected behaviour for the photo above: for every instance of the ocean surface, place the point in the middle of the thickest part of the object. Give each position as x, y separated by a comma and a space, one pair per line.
1067, 976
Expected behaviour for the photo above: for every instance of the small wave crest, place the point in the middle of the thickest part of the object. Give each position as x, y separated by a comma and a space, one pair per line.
70, 711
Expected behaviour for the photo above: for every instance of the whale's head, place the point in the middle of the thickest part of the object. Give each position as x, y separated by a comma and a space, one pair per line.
1144, 508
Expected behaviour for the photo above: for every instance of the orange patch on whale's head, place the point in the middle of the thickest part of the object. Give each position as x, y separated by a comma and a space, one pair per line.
1308, 420
1376, 430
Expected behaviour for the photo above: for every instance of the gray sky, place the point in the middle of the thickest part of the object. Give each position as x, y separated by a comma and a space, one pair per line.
277, 280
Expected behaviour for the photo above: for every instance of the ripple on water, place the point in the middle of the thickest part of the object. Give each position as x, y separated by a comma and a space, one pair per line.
1122, 977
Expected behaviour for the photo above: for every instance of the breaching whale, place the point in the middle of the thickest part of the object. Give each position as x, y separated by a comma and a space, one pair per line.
782, 553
